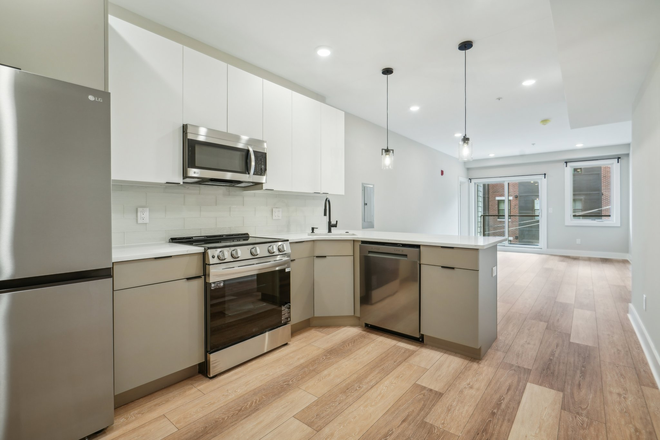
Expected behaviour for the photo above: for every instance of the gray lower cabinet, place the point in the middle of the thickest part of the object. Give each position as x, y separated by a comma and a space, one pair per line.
159, 330
459, 298
302, 289
333, 286
450, 304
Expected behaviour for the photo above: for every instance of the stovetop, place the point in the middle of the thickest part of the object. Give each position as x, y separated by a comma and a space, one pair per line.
226, 248
223, 240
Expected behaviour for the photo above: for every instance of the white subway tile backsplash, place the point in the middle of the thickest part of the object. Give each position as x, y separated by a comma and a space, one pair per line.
182, 211
165, 199
200, 200
185, 210
215, 211
166, 224
200, 222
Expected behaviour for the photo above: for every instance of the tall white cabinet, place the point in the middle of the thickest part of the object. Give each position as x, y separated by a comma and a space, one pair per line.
332, 150
306, 144
278, 136
146, 83
245, 104
204, 90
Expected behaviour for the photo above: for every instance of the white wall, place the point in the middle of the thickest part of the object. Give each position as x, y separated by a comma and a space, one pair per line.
62, 39
602, 241
413, 197
646, 211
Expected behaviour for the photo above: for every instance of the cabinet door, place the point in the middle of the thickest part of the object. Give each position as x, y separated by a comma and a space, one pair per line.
333, 286
204, 90
332, 150
277, 134
302, 289
159, 330
146, 82
450, 304
306, 146
245, 103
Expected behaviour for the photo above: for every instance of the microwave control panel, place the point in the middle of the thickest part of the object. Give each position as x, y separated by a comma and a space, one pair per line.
259, 163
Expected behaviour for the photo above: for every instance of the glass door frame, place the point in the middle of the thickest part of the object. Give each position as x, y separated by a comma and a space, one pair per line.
543, 205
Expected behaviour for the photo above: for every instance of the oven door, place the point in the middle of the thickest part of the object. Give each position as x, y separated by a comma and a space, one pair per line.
222, 157
244, 301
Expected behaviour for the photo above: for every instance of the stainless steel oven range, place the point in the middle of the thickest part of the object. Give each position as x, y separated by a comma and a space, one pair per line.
248, 297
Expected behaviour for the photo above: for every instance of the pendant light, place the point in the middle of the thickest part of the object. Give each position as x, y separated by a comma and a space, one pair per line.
464, 146
387, 153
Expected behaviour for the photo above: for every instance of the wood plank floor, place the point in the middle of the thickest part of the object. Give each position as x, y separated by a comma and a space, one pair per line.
567, 365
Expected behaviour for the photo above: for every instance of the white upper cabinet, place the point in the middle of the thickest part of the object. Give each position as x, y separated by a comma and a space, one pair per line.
332, 150
204, 90
278, 136
306, 145
245, 104
146, 83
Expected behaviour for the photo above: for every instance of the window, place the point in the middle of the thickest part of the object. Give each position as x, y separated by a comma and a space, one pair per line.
501, 208
592, 193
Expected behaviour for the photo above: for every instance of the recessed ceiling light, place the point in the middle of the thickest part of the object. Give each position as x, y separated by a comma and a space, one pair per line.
458, 135
414, 108
323, 51
579, 145
529, 82
491, 155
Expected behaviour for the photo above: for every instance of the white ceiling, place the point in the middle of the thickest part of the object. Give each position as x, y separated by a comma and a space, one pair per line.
514, 40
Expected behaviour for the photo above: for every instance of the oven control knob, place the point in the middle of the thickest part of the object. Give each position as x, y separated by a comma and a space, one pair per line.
235, 253
281, 247
271, 249
254, 251
222, 255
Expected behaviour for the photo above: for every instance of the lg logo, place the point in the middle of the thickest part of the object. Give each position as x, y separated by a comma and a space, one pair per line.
94, 98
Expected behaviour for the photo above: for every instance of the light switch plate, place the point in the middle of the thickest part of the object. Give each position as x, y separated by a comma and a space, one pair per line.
578, 241
277, 213
494, 271
143, 215
550, 210
644, 302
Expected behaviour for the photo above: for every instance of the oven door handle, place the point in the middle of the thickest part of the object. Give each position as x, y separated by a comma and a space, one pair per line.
221, 274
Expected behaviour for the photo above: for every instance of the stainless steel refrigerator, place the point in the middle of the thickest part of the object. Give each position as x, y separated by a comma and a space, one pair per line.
56, 347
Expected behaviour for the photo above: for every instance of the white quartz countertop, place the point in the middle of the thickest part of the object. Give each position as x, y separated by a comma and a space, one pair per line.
151, 250
462, 241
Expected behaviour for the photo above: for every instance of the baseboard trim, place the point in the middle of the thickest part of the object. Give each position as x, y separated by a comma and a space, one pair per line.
300, 325
647, 344
332, 321
568, 253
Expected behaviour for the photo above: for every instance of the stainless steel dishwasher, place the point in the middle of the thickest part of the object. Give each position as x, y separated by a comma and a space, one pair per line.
389, 288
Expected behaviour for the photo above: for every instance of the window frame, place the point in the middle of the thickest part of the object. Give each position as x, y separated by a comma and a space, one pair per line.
615, 193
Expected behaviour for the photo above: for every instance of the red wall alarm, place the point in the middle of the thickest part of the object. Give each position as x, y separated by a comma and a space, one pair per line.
442, 172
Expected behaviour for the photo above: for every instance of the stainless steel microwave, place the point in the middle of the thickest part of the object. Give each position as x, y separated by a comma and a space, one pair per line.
212, 157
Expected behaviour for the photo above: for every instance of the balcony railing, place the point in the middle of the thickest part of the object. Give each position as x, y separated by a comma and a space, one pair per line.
492, 225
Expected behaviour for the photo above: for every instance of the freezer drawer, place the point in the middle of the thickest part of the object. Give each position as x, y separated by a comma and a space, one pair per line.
56, 378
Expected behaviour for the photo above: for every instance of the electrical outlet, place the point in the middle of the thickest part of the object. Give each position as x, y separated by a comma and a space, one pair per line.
494, 271
277, 213
644, 302
578, 241
143, 215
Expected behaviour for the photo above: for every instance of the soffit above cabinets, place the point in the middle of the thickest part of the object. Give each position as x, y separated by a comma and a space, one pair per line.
515, 40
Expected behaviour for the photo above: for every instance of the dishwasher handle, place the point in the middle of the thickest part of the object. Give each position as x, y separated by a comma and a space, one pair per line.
387, 255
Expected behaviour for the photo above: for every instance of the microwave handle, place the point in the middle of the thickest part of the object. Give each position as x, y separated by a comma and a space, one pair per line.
251, 158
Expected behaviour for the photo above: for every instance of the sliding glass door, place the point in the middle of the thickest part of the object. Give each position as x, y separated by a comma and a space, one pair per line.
511, 207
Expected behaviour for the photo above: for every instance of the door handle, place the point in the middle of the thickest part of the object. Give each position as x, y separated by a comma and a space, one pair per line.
251, 157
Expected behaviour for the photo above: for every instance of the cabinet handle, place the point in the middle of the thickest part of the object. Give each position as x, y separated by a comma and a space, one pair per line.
161, 258
446, 247
293, 260
194, 278
447, 267
321, 256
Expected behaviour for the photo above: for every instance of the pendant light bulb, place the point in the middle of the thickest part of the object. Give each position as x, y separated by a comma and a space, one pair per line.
464, 146
387, 153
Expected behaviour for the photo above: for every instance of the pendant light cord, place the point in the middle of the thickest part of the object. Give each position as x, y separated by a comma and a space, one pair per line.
465, 90
387, 110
